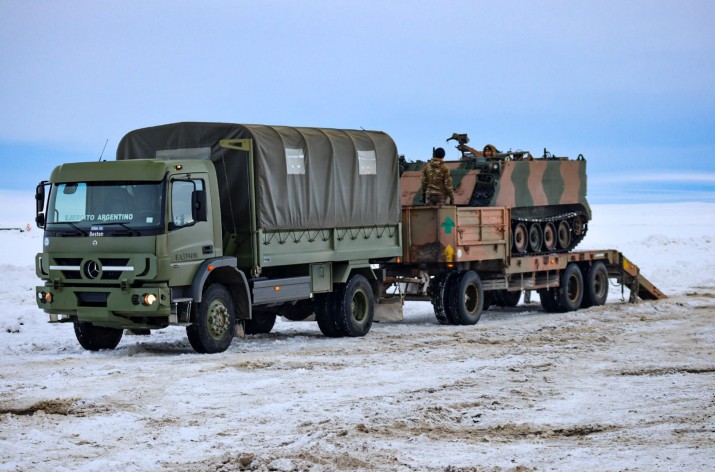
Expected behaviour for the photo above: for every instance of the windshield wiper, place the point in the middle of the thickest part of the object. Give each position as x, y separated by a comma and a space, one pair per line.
131, 230
74, 226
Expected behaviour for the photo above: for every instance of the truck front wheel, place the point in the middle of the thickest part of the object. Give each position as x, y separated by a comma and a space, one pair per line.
213, 327
94, 338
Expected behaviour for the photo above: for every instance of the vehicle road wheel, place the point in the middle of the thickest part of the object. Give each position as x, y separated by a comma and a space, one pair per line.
535, 237
520, 237
261, 323
549, 236
549, 300
596, 291
213, 328
466, 297
571, 290
564, 235
440, 298
325, 315
94, 338
355, 307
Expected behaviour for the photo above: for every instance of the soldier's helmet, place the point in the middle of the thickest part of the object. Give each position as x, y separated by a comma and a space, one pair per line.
490, 150
438, 153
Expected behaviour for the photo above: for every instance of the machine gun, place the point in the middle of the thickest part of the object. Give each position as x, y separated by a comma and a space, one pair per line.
468, 152
489, 152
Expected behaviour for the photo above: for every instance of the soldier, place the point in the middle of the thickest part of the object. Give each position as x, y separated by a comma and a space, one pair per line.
490, 150
437, 180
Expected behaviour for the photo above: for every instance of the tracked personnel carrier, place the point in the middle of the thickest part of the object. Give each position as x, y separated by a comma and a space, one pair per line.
546, 195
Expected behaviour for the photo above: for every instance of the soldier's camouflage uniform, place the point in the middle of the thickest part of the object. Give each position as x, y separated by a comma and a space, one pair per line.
437, 182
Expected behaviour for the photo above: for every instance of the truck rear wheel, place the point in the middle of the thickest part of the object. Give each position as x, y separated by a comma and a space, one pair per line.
324, 315
215, 321
571, 291
440, 298
596, 292
94, 338
466, 298
261, 323
354, 307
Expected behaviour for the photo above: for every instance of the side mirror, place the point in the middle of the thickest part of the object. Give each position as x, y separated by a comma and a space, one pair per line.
40, 204
198, 205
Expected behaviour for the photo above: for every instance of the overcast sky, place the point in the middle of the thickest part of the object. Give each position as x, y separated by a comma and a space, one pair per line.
629, 84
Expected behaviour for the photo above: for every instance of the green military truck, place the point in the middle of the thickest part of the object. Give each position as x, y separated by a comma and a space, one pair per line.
220, 228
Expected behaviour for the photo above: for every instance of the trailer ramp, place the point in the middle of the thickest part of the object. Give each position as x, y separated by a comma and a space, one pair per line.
632, 278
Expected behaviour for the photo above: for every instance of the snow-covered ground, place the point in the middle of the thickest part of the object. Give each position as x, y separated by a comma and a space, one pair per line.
617, 387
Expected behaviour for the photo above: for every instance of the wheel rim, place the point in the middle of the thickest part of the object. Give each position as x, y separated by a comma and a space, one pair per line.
549, 236
471, 298
359, 306
217, 319
573, 289
520, 240
564, 234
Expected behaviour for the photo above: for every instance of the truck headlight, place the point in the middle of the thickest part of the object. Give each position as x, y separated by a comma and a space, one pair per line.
45, 297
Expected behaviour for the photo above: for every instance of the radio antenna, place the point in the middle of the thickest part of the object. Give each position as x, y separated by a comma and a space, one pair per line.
105, 147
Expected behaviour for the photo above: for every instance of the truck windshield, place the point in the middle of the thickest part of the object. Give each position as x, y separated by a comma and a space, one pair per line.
107, 207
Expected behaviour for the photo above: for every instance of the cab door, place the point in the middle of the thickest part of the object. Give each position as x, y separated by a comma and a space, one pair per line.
190, 226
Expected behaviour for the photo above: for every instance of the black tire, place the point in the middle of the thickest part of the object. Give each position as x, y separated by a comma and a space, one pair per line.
466, 297
571, 290
215, 321
488, 300
94, 338
324, 315
440, 297
354, 307
596, 290
536, 237
261, 323
550, 300
508, 299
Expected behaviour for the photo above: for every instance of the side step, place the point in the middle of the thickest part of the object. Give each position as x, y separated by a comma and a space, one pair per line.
636, 282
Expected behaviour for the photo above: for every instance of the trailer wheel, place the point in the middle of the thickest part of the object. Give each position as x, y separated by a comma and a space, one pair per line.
596, 291
550, 300
466, 298
94, 338
213, 328
354, 307
571, 290
488, 300
261, 323
508, 299
440, 297
536, 237
324, 315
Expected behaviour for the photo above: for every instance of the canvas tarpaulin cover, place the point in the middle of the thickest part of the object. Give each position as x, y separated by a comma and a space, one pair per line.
305, 178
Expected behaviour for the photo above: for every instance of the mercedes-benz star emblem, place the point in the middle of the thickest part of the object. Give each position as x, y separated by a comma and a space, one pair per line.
91, 269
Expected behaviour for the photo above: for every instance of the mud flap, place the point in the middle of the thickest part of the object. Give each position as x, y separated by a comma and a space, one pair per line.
389, 310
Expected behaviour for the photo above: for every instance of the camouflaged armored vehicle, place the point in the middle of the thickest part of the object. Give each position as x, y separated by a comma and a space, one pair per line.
546, 195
